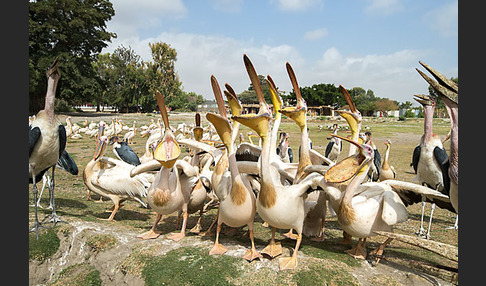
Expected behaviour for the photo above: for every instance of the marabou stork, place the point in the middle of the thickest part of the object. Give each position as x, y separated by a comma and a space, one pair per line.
123, 151
430, 161
375, 169
47, 140
448, 91
65, 163
283, 148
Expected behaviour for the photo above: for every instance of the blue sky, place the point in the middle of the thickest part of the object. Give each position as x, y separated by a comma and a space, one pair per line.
374, 44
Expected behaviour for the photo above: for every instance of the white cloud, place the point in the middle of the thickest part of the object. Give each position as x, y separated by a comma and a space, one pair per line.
390, 75
444, 19
316, 34
297, 5
383, 7
131, 16
200, 56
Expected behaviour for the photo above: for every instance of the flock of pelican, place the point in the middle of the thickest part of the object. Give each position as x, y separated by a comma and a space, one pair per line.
257, 179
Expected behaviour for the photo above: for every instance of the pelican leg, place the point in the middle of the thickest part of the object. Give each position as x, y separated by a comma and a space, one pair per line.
182, 234
197, 228
151, 234
321, 236
290, 234
359, 251
347, 238
218, 248
273, 249
208, 231
116, 206
378, 252
252, 253
285, 263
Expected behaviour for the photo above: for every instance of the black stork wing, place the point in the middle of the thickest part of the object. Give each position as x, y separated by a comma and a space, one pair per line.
34, 134
416, 157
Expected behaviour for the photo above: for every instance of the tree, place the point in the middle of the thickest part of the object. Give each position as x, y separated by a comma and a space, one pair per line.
385, 104
161, 74
322, 94
75, 32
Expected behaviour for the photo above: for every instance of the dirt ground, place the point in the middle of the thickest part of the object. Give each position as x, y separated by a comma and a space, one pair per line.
402, 264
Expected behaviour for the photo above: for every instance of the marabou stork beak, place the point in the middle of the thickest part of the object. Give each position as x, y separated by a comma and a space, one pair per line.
54, 68
350, 166
112, 140
443, 86
424, 99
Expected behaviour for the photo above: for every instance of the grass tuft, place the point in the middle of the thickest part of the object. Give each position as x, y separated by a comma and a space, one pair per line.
45, 247
82, 274
190, 266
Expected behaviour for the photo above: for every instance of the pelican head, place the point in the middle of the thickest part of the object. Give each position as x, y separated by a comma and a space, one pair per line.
100, 147
168, 150
351, 166
297, 113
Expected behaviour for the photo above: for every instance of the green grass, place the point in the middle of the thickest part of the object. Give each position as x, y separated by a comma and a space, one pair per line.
324, 274
47, 244
72, 206
101, 242
82, 274
189, 266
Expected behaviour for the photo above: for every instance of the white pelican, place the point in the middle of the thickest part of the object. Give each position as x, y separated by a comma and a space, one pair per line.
47, 140
316, 202
128, 137
111, 178
172, 186
365, 208
387, 170
280, 206
236, 197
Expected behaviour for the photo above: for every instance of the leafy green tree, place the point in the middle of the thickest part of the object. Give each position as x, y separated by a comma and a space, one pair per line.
75, 32
322, 94
161, 74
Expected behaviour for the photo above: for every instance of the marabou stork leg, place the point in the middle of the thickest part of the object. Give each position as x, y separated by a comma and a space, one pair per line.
432, 208
421, 230
53, 217
37, 224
